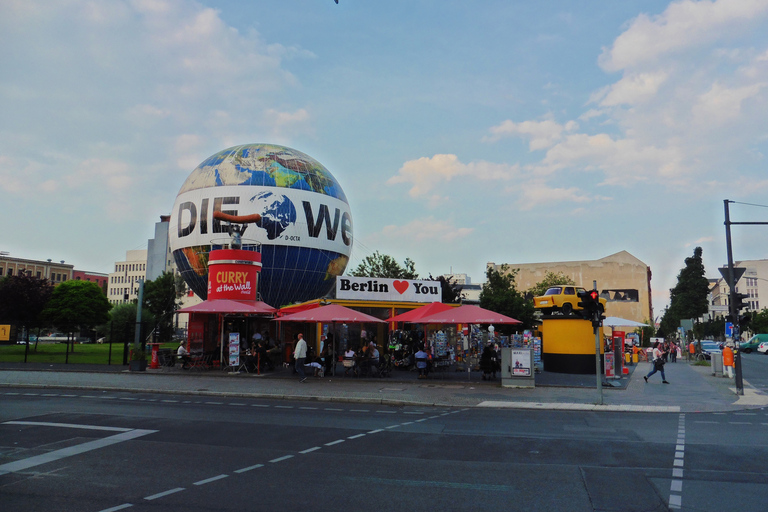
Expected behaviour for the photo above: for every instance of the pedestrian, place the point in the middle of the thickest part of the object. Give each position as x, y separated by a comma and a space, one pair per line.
300, 354
673, 352
658, 364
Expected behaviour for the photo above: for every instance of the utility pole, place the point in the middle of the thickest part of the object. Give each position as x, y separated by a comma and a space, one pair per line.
732, 297
598, 372
732, 303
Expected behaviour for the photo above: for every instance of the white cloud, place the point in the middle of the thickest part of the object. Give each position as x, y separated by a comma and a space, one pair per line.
542, 134
722, 104
681, 26
426, 173
424, 230
633, 88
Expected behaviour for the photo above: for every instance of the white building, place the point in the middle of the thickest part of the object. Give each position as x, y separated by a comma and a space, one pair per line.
159, 256
753, 283
123, 285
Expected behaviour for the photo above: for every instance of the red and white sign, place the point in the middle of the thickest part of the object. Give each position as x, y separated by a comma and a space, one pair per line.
391, 290
233, 274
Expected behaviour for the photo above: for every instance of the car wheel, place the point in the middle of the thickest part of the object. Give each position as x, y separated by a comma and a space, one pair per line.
567, 308
747, 350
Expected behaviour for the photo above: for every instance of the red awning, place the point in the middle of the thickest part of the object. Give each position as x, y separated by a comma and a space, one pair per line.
415, 315
329, 314
468, 315
231, 306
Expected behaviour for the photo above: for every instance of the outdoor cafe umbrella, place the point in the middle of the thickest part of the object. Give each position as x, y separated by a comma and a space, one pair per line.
468, 314
330, 315
614, 321
415, 315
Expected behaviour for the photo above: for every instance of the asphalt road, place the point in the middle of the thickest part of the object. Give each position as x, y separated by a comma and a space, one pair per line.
97, 451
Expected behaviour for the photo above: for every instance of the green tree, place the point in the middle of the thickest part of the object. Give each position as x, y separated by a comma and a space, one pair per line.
451, 292
550, 279
688, 299
759, 324
383, 265
77, 305
22, 299
121, 326
499, 294
161, 299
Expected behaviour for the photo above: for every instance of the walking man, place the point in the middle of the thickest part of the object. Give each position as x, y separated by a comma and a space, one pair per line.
300, 354
658, 364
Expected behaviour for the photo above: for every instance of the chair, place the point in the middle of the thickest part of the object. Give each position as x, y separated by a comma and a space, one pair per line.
349, 366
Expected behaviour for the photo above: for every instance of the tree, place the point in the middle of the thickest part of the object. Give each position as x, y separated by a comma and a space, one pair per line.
688, 299
382, 265
23, 298
77, 305
500, 295
121, 326
550, 279
451, 292
160, 298
759, 322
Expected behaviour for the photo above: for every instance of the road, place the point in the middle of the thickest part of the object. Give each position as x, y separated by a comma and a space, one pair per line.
107, 451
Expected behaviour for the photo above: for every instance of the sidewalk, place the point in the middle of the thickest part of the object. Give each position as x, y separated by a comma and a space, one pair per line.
692, 388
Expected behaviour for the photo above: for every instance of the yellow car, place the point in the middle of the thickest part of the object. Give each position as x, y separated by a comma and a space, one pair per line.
564, 298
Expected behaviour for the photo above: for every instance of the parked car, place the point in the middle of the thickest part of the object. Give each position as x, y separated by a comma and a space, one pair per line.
709, 347
563, 298
752, 343
763, 347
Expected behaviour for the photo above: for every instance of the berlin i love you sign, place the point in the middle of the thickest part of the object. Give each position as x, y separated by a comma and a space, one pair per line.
391, 290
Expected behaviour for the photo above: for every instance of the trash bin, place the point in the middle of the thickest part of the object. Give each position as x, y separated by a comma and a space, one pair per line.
717, 365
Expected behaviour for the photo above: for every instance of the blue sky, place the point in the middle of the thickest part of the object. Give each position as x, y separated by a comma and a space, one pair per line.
461, 132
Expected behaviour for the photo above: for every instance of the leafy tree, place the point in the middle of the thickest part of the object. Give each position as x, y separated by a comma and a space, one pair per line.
121, 326
383, 265
160, 298
688, 299
77, 305
759, 322
451, 292
500, 295
550, 279
23, 298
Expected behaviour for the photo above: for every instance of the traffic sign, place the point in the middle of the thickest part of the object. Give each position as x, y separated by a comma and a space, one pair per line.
737, 273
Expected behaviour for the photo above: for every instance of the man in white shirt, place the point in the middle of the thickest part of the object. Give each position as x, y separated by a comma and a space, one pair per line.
300, 354
183, 354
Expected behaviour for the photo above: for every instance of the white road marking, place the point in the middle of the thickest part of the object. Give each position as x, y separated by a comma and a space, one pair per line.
164, 493
243, 470
338, 441
280, 459
209, 480
310, 450
45, 458
119, 507
68, 425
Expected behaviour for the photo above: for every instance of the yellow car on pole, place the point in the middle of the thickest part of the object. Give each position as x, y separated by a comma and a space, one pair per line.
563, 298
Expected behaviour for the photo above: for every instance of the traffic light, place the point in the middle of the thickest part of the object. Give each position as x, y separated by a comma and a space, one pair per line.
591, 309
738, 300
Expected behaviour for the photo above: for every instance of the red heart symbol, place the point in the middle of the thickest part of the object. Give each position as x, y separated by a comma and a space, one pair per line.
400, 286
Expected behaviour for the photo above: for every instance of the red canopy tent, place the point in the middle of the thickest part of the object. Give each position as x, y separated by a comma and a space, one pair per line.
230, 306
468, 314
331, 314
415, 315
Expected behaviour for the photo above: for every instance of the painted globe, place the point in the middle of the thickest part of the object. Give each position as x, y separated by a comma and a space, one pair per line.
304, 232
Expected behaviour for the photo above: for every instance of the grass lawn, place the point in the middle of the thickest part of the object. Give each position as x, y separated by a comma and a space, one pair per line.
90, 353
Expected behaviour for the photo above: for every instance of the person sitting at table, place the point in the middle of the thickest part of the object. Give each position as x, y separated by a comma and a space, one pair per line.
350, 361
183, 354
373, 358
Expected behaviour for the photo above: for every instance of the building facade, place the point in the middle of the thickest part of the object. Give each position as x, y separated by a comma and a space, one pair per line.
622, 279
124, 281
753, 283
159, 256
55, 272
100, 279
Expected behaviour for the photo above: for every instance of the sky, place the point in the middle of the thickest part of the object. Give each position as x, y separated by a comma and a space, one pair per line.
461, 132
